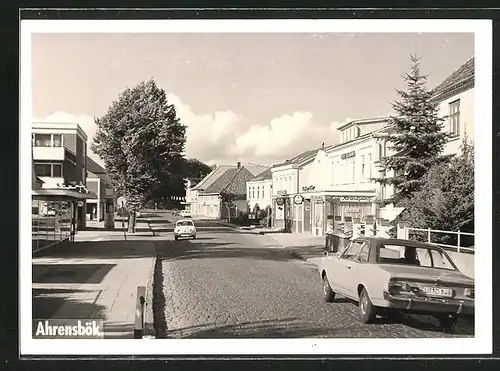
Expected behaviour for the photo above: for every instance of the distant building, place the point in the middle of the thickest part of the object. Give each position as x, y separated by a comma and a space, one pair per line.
98, 183
259, 190
231, 179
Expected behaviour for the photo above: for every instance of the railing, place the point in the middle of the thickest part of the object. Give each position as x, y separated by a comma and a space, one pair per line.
459, 241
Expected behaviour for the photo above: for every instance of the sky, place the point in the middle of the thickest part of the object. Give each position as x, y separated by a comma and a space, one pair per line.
253, 98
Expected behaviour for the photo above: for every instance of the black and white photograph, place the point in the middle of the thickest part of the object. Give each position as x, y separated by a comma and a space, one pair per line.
253, 187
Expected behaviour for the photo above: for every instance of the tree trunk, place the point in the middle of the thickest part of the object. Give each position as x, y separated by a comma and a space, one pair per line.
131, 222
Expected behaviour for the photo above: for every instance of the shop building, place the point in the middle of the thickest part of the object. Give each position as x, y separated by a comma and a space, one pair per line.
59, 153
285, 185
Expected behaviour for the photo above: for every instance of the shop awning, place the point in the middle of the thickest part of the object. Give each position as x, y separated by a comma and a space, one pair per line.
55, 194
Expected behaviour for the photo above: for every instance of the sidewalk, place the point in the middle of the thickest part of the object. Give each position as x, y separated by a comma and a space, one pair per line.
94, 279
301, 245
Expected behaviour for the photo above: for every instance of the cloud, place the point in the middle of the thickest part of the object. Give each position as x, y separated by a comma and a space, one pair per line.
225, 137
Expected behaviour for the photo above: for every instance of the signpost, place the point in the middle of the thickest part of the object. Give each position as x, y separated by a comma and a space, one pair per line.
122, 201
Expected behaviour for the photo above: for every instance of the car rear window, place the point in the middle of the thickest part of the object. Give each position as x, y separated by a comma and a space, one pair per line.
184, 223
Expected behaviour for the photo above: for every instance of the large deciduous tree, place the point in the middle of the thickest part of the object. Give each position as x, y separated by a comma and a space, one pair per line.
417, 139
141, 140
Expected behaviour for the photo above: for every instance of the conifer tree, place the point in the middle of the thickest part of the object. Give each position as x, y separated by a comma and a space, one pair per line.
416, 138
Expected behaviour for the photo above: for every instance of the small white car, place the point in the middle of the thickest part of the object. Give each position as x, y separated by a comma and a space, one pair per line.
185, 214
184, 228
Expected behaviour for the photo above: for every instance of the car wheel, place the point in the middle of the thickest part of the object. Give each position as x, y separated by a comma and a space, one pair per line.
448, 322
194, 237
328, 293
176, 238
367, 310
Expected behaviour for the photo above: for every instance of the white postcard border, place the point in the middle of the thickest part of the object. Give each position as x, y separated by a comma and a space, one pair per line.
482, 341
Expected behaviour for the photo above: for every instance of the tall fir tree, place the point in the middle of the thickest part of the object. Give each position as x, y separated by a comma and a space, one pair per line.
416, 137
140, 139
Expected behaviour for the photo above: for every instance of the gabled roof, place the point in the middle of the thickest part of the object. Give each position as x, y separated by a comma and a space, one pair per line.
212, 177
304, 156
265, 175
238, 184
222, 182
362, 122
462, 76
255, 169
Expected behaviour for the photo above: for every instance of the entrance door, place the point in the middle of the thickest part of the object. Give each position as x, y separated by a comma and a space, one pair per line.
307, 215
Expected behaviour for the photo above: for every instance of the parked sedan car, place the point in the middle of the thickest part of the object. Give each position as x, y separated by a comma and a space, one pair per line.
184, 228
386, 275
185, 214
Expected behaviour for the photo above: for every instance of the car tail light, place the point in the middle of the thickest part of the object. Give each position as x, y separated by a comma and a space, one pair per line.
400, 287
469, 292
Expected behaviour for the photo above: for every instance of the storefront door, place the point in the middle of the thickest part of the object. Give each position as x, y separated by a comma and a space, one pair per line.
307, 215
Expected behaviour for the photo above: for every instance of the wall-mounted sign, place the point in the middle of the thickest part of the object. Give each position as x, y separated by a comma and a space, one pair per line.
348, 155
308, 188
298, 199
352, 210
354, 198
80, 203
282, 193
280, 201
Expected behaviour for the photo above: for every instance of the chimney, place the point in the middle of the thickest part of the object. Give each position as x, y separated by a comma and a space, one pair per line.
238, 164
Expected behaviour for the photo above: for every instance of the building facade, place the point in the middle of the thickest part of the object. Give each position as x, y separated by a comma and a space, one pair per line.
60, 160
259, 191
285, 185
456, 102
98, 183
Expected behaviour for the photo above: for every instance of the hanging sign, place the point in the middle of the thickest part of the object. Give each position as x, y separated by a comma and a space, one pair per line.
80, 203
298, 199
280, 201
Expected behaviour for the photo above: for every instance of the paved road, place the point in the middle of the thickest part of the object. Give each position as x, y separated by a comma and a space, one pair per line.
237, 284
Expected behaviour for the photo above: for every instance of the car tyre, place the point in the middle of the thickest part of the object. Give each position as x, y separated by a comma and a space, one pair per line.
194, 237
176, 238
328, 293
448, 322
368, 311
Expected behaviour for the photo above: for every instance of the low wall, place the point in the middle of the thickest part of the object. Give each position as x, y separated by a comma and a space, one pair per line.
464, 262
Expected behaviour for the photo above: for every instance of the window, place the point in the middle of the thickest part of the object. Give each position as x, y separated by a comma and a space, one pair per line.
351, 168
352, 250
363, 167
43, 140
49, 170
369, 165
454, 118
258, 192
43, 170
57, 140
380, 151
249, 194
263, 187
363, 254
416, 256
57, 170
253, 192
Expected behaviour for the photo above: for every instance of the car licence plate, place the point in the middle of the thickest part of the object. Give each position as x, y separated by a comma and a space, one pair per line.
437, 291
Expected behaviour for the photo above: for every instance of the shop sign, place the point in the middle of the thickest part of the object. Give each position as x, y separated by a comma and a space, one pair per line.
348, 155
80, 203
354, 198
280, 201
298, 199
308, 188
352, 210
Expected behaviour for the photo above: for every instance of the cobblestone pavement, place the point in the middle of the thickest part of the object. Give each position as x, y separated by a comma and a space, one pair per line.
228, 283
